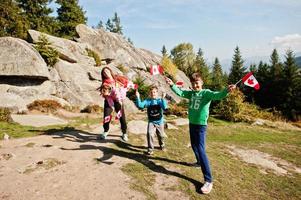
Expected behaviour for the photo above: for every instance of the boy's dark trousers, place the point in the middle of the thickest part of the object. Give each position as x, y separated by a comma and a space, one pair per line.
108, 111
198, 142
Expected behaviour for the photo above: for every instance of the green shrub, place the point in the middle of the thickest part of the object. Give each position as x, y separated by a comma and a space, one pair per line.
49, 54
5, 115
233, 108
142, 88
180, 110
44, 105
94, 55
92, 109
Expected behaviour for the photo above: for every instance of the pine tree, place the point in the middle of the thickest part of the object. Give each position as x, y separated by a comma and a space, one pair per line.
12, 21
291, 105
183, 57
130, 41
253, 68
276, 89
217, 79
99, 25
201, 67
117, 24
114, 25
109, 25
38, 15
70, 14
164, 51
237, 70
263, 77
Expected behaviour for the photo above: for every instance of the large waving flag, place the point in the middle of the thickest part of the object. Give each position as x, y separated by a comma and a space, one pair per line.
251, 81
156, 69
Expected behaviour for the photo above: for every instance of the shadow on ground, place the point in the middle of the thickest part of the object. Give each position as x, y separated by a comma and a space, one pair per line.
126, 150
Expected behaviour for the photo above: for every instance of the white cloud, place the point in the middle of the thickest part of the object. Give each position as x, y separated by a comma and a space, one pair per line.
290, 41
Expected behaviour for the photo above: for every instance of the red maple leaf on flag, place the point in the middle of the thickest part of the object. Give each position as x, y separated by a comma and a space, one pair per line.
107, 119
118, 115
250, 81
156, 69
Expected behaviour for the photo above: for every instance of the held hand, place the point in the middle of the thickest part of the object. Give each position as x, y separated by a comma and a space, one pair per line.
137, 94
169, 81
231, 87
163, 95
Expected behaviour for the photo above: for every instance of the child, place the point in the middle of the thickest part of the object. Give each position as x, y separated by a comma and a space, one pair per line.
198, 113
114, 94
155, 107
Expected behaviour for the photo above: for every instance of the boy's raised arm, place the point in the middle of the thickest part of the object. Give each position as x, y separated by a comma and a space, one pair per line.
140, 104
175, 89
221, 94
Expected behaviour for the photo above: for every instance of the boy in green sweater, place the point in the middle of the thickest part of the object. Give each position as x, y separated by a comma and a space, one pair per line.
198, 113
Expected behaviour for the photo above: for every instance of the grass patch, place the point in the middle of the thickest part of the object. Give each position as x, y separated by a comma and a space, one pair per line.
46, 164
233, 178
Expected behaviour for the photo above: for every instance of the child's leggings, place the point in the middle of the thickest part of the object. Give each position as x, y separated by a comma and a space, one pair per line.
108, 111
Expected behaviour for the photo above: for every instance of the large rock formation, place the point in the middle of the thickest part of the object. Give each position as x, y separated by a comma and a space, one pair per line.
18, 58
25, 77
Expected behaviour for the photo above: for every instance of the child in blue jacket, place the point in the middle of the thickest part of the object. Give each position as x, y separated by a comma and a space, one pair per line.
155, 107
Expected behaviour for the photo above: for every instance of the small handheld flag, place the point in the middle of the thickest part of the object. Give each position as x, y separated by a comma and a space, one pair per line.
180, 83
118, 115
156, 69
250, 81
107, 119
132, 85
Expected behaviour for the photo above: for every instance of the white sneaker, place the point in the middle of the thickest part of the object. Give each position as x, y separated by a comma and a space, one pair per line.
124, 137
206, 188
103, 135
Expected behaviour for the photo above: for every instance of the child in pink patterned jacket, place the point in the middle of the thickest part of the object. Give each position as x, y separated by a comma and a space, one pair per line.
114, 96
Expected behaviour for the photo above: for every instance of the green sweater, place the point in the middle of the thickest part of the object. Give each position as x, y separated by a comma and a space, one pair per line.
199, 103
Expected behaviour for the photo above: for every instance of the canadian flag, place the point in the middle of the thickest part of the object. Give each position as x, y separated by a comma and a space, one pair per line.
118, 115
251, 81
156, 69
132, 85
180, 83
107, 119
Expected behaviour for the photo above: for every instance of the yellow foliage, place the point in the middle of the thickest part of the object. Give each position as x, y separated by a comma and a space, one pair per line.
169, 67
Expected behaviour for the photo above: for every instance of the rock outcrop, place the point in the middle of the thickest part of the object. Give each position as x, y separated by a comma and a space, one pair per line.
72, 81
18, 58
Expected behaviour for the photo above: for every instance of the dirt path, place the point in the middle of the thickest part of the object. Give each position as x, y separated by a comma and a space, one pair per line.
69, 165
59, 166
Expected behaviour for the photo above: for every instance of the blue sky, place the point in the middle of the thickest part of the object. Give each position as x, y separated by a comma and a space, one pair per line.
216, 26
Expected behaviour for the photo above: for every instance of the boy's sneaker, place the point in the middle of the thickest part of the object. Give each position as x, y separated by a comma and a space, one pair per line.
206, 188
124, 137
103, 136
150, 152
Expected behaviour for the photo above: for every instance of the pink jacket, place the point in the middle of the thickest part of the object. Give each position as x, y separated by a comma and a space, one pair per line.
117, 94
